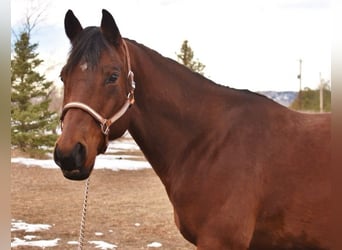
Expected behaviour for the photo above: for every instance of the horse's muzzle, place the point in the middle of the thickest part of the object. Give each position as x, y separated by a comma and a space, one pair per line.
73, 162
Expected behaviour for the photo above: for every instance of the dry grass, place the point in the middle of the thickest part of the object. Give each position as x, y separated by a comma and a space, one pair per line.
117, 201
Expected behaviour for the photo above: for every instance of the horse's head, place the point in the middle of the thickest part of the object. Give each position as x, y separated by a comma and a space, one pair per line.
98, 89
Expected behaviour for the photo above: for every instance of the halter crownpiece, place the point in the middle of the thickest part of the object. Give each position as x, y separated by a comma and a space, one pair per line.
106, 123
130, 75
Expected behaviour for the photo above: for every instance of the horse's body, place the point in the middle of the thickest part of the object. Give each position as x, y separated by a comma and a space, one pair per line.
241, 171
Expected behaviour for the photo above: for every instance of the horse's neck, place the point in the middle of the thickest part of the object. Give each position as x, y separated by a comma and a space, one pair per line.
169, 111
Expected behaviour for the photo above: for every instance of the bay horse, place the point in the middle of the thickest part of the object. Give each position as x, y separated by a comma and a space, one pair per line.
241, 171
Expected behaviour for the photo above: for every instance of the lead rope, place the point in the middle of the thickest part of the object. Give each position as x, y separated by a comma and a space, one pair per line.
86, 189
83, 218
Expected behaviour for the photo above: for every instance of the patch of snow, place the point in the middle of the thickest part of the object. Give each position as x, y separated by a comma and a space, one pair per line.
37, 243
98, 233
154, 244
115, 163
29, 237
102, 245
137, 224
19, 225
72, 242
29, 162
110, 162
28, 228
120, 145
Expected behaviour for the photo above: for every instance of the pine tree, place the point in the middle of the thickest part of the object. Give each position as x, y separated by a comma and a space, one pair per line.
186, 56
32, 124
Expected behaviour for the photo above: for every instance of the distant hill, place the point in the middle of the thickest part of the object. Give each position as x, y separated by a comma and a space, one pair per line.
284, 98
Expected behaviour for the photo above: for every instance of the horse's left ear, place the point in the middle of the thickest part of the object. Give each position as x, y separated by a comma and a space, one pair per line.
109, 28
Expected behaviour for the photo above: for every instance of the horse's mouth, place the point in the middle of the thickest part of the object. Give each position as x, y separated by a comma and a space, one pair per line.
76, 174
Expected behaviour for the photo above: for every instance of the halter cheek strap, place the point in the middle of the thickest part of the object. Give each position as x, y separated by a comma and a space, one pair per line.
106, 123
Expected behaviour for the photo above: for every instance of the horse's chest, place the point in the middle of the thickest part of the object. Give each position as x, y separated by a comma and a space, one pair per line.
185, 229
193, 209
189, 213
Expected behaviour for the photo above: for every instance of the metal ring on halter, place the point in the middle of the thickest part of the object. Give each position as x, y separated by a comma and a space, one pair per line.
130, 76
104, 127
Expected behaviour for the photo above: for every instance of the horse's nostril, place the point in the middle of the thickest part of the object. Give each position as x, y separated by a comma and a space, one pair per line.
71, 160
57, 156
79, 154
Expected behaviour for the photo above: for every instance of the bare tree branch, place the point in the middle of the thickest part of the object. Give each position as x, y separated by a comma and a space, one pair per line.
35, 14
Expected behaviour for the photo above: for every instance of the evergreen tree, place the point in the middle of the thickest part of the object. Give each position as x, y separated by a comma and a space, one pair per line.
32, 124
186, 56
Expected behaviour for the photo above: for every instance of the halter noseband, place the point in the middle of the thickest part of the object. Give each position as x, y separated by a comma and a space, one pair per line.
106, 123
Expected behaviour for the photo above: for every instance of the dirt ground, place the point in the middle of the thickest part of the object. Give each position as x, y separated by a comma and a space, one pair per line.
117, 202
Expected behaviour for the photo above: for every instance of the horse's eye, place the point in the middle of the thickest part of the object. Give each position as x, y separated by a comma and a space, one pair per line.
112, 78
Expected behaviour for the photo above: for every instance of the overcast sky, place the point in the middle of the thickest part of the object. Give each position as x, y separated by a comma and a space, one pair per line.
244, 44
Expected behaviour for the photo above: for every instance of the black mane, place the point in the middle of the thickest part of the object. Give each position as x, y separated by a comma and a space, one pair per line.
87, 48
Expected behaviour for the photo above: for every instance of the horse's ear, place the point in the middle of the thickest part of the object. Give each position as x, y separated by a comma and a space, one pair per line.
71, 25
109, 28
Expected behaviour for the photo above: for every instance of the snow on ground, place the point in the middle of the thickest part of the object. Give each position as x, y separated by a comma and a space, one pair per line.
28, 240
111, 162
72, 242
29, 237
154, 244
36, 243
18, 225
120, 155
102, 245
126, 143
